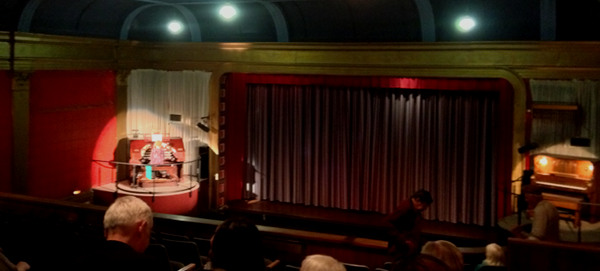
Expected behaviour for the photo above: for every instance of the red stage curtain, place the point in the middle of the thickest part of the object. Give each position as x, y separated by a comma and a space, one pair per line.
5, 131
72, 122
340, 178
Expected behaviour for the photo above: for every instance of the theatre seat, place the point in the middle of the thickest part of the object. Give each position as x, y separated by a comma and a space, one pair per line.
273, 265
183, 251
493, 268
189, 267
203, 245
160, 254
172, 236
356, 267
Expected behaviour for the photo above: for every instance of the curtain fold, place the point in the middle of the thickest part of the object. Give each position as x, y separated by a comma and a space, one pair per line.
553, 129
6, 135
372, 144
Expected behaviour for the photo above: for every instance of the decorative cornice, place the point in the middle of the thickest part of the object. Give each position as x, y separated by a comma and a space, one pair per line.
527, 59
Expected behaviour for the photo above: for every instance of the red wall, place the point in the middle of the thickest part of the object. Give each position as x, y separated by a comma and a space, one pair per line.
5, 131
72, 122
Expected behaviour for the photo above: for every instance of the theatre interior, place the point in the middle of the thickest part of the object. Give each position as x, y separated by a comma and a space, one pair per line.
312, 118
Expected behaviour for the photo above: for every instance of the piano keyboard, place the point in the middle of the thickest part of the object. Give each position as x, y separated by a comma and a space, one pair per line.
562, 185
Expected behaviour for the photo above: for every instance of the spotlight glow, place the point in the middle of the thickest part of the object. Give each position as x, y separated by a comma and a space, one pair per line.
227, 11
544, 161
465, 24
175, 27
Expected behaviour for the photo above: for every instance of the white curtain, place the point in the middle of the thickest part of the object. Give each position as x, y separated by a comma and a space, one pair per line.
154, 95
553, 129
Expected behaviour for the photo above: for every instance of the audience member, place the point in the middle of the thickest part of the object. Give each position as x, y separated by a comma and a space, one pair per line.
406, 220
128, 223
7, 265
545, 220
236, 246
545, 225
318, 262
494, 256
445, 251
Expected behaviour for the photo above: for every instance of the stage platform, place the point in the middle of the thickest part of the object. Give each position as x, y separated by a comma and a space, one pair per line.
354, 223
177, 199
589, 232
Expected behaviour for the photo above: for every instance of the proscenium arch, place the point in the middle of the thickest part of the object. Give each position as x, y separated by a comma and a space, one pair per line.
190, 19
514, 100
426, 20
278, 20
27, 15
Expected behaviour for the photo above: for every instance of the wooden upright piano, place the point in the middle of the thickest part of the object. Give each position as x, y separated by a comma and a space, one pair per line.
568, 182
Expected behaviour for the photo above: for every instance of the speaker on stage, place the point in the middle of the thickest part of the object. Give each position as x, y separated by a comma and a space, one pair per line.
203, 163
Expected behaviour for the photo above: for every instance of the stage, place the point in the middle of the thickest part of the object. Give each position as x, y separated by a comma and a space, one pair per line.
354, 223
178, 199
589, 232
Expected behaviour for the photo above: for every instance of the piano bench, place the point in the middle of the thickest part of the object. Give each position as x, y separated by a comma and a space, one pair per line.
570, 207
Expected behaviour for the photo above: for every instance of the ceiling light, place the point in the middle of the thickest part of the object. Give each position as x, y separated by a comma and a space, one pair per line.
465, 24
227, 11
175, 27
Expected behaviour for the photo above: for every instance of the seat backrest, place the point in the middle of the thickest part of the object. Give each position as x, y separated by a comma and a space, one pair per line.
203, 245
523, 254
183, 251
172, 236
189, 267
273, 265
356, 267
387, 266
160, 254
492, 268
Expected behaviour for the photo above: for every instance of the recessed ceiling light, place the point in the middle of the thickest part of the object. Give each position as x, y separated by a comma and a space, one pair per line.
175, 27
465, 24
227, 11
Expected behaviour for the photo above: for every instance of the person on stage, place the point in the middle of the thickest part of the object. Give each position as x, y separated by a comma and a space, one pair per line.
405, 220
157, 155
545, 218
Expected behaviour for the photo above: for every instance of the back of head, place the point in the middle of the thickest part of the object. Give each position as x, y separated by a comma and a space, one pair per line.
236, 246
445, 251
494, 255
318, 262
423, 196
126, 211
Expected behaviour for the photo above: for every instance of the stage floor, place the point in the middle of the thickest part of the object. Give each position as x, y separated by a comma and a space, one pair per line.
588, 232
354, 223
160, 189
